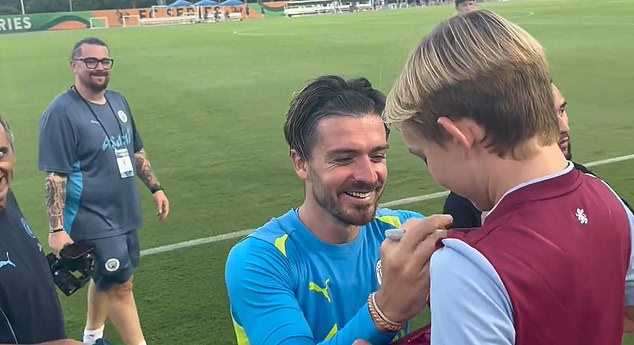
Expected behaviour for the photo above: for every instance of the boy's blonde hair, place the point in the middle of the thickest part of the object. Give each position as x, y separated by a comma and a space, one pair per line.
483, 67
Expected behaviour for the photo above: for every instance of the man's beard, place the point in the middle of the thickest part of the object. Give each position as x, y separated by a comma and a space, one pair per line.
349, 214
568, 152
97, 87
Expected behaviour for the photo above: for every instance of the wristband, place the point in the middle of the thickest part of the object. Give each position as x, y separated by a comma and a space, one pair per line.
382, 322
156, 188
55, 230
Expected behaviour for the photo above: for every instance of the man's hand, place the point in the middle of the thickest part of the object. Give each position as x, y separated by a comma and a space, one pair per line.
144, 171
405, 267
162, 205
57, 241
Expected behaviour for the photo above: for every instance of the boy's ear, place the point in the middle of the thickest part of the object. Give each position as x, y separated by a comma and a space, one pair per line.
464, 132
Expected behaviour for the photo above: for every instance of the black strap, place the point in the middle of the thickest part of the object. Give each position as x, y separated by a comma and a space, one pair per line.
95, 115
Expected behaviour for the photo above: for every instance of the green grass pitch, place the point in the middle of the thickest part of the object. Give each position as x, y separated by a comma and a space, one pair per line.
210, 100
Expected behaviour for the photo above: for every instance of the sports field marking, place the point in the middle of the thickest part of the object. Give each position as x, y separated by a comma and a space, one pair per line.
405, 201
248, 32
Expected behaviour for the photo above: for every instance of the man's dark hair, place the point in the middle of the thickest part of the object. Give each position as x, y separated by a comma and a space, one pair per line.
89, 40
328, 96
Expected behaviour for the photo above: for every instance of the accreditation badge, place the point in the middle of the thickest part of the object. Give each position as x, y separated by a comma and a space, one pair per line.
124, 162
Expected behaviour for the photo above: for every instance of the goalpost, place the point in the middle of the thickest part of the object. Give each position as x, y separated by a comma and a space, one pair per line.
155, 9
131, 20
99, 22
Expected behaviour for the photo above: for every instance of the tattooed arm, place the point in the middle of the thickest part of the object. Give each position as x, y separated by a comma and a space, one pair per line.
55, 196
144, 171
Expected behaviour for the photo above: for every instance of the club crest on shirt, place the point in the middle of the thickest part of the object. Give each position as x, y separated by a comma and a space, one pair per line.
581, 216
122, 116
112, 265
379, 272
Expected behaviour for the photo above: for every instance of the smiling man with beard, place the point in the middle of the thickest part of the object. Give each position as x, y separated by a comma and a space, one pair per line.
90, 150
310, 276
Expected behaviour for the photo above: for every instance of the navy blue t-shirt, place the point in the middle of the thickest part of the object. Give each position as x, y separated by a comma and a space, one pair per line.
464, 213
79, 138
30, 311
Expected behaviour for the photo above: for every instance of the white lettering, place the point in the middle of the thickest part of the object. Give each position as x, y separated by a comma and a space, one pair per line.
15, 24
27, 23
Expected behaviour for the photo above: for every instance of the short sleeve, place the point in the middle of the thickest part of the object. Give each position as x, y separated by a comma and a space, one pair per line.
136, 137
57, 141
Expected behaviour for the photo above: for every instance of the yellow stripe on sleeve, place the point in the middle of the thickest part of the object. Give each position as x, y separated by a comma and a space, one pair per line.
332, 332
392, 220
280, 244
241, 335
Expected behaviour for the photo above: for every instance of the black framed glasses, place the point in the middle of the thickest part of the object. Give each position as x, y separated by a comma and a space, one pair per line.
92, 63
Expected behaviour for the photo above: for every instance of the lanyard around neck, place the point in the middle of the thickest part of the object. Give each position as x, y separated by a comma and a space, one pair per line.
95, 115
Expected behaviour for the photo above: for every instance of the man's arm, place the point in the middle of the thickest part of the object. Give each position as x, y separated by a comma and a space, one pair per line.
144, 171
57, 157
55, 197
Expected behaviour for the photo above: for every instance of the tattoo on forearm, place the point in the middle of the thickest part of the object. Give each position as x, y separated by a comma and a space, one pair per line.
55, 196
144, 170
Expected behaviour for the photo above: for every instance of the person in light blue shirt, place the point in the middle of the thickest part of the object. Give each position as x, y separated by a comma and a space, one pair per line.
329, 282
320, 273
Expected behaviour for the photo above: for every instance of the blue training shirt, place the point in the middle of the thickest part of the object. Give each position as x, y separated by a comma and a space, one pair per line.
81, 143
288, 287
